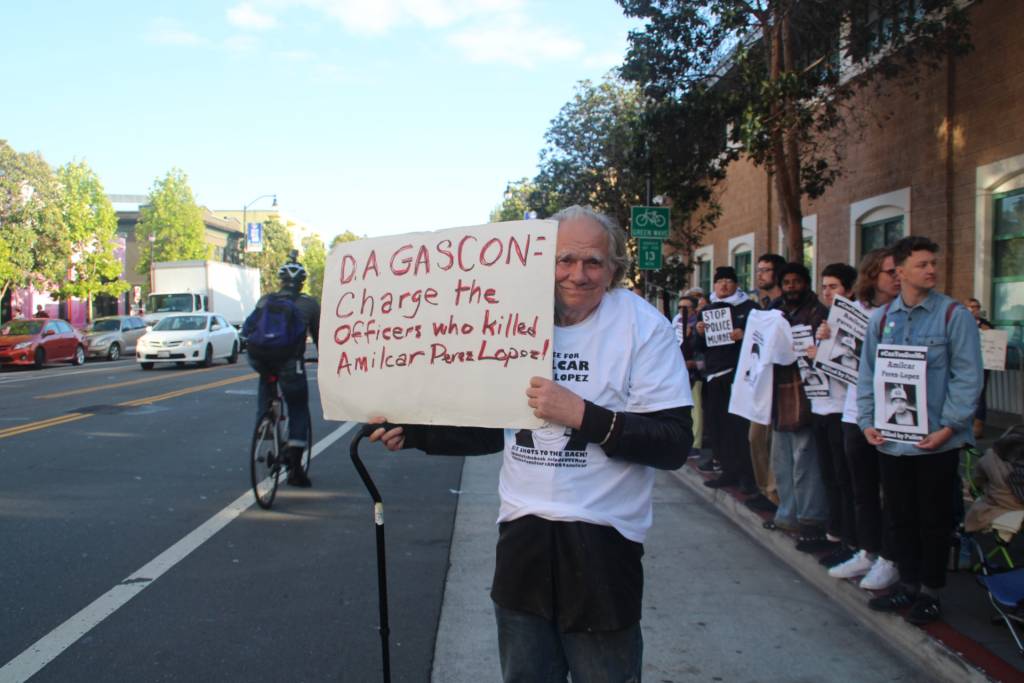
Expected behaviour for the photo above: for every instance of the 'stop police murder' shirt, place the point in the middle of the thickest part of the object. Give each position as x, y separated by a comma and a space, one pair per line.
623, 357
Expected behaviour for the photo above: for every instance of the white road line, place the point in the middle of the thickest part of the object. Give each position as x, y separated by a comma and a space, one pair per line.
47, 648
47, 373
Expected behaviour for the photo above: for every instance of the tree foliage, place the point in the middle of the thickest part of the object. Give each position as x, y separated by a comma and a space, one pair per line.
783, 74
314, 257
91, 229
33, 250
175, 221
277, 245
521, 197
347, 236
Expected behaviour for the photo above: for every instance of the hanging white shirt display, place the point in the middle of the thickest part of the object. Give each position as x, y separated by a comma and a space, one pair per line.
767, 340
623, 357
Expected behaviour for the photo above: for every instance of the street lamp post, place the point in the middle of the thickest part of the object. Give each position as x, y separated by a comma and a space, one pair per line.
245, 208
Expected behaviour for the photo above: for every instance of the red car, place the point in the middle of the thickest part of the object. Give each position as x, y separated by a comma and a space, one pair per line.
38, 341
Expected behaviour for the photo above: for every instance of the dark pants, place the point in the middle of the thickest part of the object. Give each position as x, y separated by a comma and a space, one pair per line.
828, 434
863, 461
291, 377
917, 496
533, 650
731, 441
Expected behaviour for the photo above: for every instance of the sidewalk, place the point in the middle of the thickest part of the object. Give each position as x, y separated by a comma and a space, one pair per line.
965, 646
716, 607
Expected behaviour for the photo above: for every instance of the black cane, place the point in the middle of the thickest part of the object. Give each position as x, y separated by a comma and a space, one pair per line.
378, 520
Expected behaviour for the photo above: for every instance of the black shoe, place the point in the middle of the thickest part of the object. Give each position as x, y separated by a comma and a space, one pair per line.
298, 477
720, 482
749, 489
836, 557
925, 610
709, 466
893, 602
694, 453
761, 503
816, 545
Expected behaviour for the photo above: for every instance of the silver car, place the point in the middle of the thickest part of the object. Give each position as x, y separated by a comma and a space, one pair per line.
114, 336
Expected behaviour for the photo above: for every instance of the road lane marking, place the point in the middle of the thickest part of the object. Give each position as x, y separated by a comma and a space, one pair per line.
73, 417
50, 646
87, 390
43, 424
36, 375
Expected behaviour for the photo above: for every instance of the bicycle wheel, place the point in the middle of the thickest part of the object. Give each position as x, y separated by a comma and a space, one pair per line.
265, 462
307, 455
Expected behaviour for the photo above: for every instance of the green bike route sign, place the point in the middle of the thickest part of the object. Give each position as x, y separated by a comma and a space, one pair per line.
649, 222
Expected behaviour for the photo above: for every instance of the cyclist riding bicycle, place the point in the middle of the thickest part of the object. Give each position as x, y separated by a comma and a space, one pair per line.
288, 307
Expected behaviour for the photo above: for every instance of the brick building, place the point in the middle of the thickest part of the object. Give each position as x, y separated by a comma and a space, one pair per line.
947, 162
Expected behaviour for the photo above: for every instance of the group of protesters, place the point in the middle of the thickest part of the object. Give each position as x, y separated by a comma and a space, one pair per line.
875, 510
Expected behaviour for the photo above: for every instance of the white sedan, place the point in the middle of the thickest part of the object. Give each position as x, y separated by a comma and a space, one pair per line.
188, 338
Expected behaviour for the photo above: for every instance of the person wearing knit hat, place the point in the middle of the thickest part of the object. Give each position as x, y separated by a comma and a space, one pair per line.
725, 273
729, 445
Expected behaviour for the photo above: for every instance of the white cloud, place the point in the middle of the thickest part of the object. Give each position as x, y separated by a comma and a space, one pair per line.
244, 15
165, 31
514, 41
379, 16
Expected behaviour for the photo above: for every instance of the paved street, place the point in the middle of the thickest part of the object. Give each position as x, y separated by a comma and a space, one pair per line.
125, 509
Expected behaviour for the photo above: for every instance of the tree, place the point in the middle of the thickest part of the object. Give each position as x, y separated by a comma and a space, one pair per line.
347, 236
785, 73
314, 254
521, 197
175, 221
91, 226
277, 246
32, 245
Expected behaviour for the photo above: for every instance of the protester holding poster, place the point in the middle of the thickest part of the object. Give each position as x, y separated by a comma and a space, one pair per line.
576, 493
926, 341
836, 282
871, 557
839, 353
729, 308
802, 505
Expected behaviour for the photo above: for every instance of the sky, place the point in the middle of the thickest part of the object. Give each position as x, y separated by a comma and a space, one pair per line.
375, 116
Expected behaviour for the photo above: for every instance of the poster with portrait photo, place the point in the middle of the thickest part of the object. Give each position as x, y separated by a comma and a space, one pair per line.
815, 383
901, 392
839, 355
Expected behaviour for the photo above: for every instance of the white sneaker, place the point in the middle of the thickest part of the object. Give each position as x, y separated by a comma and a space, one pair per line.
858, 565
882, 575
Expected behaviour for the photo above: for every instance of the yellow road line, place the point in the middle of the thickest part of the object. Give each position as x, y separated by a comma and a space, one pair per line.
87, 390
189, 390
74, 417
43, 424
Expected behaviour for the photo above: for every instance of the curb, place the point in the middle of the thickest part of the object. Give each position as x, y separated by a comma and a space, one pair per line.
913, 643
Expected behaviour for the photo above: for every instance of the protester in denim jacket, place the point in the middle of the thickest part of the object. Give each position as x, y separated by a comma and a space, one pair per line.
917, 478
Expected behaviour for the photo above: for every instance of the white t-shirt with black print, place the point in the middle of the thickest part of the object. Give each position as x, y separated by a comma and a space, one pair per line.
767, 340
623, 357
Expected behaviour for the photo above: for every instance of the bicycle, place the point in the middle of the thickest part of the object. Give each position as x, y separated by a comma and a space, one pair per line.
267, 460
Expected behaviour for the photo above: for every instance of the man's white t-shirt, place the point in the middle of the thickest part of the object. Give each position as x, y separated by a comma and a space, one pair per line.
622, 357
752, 386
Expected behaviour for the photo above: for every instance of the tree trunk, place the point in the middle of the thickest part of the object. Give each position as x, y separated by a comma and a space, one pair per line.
785, 146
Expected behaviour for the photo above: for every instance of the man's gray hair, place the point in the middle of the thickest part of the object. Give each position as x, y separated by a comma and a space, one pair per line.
617, 254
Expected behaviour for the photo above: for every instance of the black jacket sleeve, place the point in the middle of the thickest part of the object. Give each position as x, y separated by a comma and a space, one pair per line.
661, 439
439, 440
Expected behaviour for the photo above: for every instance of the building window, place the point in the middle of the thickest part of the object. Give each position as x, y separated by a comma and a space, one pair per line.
741, 261
704, 276
878, 234
1008, 258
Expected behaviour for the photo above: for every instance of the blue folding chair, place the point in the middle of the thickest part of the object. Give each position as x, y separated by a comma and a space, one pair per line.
1005, 592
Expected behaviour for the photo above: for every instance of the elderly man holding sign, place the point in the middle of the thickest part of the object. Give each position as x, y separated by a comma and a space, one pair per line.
576, 492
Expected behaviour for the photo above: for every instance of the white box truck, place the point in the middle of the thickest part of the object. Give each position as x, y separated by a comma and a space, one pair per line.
191, 286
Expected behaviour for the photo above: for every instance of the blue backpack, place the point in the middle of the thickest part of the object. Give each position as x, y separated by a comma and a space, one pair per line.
274, 331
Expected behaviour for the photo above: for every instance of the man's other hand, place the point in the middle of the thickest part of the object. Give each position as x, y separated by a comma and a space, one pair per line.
554, 403
393, 439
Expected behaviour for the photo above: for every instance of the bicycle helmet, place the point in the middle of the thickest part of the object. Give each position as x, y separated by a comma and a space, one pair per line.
292, 273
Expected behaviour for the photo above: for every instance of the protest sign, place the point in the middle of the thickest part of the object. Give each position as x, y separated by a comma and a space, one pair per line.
439, 327
815, 383
839, 355
718, 326
901, 392
993, 349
